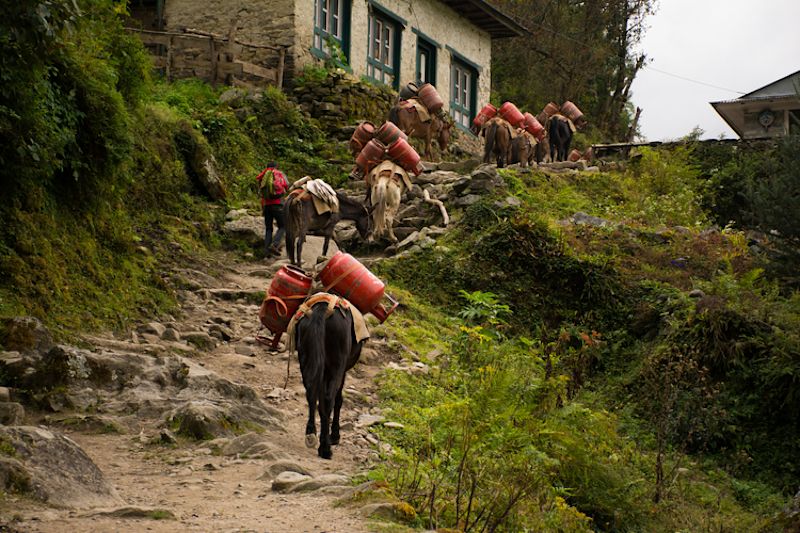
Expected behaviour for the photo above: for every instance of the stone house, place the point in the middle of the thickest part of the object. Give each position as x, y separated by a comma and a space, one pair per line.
445, 42
771, 111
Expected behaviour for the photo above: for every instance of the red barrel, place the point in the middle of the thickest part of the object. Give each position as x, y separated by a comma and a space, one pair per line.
404, 155
510, 112
430, 98
488, 112
571, 111
372, 154
345, 276
533, 126
389, 133
409, 91
574, 155
286, 292
364, 132
550, 109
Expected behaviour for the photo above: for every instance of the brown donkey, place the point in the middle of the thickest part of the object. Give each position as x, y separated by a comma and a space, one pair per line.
407, 119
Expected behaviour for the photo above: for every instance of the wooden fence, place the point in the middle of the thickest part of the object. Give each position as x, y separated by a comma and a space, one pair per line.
212, 57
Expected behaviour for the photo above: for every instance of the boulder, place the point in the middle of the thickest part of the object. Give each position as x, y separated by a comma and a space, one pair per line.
24, 334
325, 480
11, 413
247, 229
287, 480
53, 469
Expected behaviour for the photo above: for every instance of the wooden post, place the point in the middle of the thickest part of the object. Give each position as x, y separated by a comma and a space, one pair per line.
213, 52
229, 52
632, 128
169, 58
281, 61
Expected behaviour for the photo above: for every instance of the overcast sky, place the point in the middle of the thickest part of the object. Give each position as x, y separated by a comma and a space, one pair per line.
734, 44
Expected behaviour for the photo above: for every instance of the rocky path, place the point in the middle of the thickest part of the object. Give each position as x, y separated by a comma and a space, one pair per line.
258, 476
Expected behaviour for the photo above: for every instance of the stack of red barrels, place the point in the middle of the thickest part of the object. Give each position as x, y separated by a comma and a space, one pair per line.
387, 142
343, 275
568, 109
509, 112
426, 94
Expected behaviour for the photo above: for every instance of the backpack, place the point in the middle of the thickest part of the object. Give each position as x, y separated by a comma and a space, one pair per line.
268, 189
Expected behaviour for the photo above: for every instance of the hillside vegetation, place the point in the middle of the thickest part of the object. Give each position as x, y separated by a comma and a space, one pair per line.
633, 372
608, 350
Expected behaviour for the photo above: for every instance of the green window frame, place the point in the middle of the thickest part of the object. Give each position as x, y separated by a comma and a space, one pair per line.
426, 59
463, 92
331, 21
384, 34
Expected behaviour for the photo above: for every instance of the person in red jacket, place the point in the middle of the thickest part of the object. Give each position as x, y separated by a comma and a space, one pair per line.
272, 187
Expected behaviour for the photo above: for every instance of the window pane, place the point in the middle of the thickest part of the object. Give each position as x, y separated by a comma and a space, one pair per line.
335, 18
387, 51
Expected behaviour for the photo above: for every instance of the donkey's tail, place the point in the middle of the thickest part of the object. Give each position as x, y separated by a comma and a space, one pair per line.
311, 348
491, 133
379, 200
393, 115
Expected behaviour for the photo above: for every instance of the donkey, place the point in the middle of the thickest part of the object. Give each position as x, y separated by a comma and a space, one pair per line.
560, 135
498, 135
407, 119
302, 218
385, 194
523, 149
327, 348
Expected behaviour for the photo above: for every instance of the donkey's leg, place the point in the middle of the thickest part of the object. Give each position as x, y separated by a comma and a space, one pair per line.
311, 397
326, 403
337, 407
325, 245
311, 427
301, 238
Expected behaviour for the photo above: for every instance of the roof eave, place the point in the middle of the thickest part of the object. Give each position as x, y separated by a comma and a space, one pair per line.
506, 26
725, 118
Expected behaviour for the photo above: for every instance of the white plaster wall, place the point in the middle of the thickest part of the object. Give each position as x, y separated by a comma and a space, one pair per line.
432, 18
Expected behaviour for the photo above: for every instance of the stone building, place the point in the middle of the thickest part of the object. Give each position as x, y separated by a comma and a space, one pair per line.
771, 111
445, 42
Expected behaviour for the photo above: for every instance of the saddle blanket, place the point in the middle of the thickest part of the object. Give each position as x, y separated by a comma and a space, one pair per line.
322, 194
335, 303
390, 169
422, 111
561, 117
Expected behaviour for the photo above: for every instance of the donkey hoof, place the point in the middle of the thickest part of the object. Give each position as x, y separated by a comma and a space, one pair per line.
311, 440
325, 453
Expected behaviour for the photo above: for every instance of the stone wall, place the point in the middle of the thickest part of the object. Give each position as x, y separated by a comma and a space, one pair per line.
269, 22
430, 17
340, 101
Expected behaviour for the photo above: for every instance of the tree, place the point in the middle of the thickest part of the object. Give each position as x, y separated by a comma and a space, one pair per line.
579, 51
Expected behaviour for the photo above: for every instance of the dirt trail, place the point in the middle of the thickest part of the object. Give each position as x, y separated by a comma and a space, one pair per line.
207, 491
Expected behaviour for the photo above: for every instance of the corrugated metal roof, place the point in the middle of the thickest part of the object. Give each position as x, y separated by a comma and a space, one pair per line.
770, 84
488, 18
745, 98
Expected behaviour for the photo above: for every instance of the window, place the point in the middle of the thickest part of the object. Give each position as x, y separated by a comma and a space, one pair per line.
426, 61
383, 55
463, 88
331, 21
794, 121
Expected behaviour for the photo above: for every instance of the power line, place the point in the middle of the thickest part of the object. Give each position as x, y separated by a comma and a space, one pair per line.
678, 76
692, 80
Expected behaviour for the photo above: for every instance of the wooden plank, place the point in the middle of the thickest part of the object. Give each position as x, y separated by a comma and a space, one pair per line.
256, 70
281, 66
225, 68
169, 59
191, 62
162, 40
213, 53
